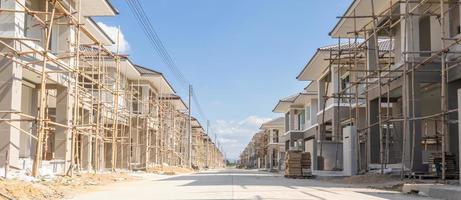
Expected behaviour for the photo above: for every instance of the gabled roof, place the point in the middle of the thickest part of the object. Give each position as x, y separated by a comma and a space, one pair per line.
94, 30
384, 45
275, 123
147, 71
297, 99
157, 78
98, 8
312, 87
196, 124
176, 100
361, 9
319, 63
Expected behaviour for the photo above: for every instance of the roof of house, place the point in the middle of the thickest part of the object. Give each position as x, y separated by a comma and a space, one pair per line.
98, 8
300, 98
318, 63
357, 17
147, 71
177, 101
384, 45
277, 122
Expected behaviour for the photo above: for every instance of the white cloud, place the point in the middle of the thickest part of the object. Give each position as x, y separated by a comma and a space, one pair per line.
234, 135
112, 32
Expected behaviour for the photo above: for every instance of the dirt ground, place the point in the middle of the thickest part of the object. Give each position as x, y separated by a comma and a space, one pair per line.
61, 187
58, 188
378, 181
169, 170
369, 180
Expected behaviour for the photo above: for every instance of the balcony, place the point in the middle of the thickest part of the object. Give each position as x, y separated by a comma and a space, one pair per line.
293, 135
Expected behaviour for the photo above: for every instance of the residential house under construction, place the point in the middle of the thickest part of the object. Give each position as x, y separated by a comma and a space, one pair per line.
385, 95
275, 147
68, 103
266, 149
254, 154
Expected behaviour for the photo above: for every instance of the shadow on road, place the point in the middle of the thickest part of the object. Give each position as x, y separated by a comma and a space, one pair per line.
244, 180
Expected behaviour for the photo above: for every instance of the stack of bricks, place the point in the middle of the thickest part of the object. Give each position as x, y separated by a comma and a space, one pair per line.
306, 164
293, 167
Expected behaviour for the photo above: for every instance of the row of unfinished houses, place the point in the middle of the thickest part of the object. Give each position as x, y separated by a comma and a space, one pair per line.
382, 99
69, 104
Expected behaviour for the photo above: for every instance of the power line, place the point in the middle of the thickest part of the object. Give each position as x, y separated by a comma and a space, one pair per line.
199, 107
146, 25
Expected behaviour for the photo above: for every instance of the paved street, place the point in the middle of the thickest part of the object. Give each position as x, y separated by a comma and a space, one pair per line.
234, 184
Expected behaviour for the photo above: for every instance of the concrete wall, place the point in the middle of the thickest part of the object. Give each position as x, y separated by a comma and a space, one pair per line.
28, 106
332, 154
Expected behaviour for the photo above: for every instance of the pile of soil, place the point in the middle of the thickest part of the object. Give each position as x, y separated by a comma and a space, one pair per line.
366, 179
58, 187
14, 189
376, 181
169, 170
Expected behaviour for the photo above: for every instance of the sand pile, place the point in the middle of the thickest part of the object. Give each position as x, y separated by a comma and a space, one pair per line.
169, 170
58, 187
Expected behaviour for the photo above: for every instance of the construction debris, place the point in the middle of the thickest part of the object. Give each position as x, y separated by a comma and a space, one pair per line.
59, 187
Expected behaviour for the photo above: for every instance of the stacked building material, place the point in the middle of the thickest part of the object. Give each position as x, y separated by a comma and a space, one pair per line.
306, 164
293, 168
435, 163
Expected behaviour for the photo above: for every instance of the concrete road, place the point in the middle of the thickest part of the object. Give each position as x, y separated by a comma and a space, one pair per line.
235, 184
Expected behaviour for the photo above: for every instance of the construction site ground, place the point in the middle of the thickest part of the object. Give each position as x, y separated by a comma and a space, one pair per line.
66, 187
242, 184
179, 183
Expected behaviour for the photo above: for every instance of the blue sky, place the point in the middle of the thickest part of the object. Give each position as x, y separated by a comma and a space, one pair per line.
240, 55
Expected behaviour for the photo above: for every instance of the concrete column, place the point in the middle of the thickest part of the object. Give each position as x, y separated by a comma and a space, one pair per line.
11, 25
86, 152
459, 129
145, 100
271, 136
371, 53
63, 136
410, 33
102, 155
416, 124
321, 94
452, 136
313, 110
87, 145
10, 100
27, 143
279, 159
373, 146
335, 82
293, 119
314, 157
410, 30
271, 158
349, 150
121, 154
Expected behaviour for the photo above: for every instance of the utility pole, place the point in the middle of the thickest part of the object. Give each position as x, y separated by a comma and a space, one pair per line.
190, 128
207, 133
